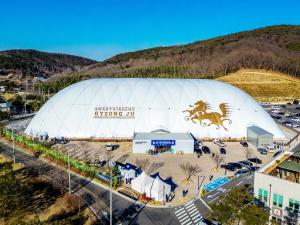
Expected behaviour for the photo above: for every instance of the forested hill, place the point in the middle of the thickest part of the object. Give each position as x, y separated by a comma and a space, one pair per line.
32, 63
276, 48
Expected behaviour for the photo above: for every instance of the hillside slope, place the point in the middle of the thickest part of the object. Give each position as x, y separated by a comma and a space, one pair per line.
32, 62
265, 85
274, 48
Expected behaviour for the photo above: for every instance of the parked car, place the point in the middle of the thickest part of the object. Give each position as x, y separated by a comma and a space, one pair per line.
244, 144
255, 160
245, 163
254, 168
205, 149
270, 148
198, 150
218, 142
109, 147
228, 167
262, 151
242, 172
277, 154
222, 151
236, 165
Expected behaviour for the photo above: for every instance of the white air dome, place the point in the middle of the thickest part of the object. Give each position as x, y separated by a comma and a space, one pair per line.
117, 107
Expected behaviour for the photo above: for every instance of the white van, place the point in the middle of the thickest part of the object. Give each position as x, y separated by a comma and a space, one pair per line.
109, 146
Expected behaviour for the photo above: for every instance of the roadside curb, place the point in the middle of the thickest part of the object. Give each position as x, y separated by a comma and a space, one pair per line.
4, 141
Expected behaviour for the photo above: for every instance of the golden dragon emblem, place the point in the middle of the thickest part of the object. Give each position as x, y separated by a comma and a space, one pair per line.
199, 113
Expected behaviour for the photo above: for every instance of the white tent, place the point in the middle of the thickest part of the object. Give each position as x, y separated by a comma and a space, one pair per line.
139, 183
158, 190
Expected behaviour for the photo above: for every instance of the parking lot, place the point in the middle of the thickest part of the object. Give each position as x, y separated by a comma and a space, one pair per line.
286, 114
168, 165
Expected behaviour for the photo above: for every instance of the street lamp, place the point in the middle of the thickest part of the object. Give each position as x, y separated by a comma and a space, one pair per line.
69, 172
270, 190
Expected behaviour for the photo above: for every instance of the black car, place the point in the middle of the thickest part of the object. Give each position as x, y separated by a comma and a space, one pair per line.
205, 149
277, 154
255, 160
246, 163
262, 151
222, 151
198, 151
244, 144
254, 168
228, 167
235, 165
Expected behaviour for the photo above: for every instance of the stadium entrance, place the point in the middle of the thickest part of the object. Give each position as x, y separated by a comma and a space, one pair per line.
153, 143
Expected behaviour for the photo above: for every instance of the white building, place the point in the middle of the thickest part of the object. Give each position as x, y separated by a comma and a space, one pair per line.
277, 186
259, 137
156, 142
117, 108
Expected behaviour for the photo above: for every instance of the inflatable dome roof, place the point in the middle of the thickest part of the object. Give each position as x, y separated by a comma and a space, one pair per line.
119, 107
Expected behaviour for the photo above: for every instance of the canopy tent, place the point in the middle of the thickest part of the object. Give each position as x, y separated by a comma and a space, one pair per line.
158, 190
139, 183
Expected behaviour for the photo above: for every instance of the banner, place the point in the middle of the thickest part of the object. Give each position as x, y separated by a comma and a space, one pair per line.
114, 112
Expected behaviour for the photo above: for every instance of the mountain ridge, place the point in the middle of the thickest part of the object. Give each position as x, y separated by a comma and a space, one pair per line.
30, 62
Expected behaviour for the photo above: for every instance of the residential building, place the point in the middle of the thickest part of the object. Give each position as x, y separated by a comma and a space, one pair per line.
277, 187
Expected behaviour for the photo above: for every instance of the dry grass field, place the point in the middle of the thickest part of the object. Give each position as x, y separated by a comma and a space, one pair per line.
265, 85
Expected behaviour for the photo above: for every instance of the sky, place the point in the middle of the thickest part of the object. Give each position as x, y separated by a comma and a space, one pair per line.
100, 29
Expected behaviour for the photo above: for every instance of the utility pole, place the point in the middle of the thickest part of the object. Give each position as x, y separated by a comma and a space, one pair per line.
110, 195
69, 172
13, 140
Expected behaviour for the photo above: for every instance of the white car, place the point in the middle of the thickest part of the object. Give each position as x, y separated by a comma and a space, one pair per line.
218, 142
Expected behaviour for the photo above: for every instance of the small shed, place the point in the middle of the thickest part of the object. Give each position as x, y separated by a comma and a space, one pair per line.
259, 137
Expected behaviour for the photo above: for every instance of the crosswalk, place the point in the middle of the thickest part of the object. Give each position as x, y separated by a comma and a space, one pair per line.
188, 214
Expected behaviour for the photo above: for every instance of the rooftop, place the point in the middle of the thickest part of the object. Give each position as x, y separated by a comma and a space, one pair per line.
290, 165
259, 130
163, 136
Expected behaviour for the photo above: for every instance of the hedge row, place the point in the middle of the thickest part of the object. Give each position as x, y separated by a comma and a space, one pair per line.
82, 167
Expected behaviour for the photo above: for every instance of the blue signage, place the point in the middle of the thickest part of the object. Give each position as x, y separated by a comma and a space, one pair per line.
163, 142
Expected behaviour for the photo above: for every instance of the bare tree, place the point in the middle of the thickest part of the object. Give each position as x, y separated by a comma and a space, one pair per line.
247, 153
108, 155
154, 166
142, 163
189, 170
84, 147
218, 158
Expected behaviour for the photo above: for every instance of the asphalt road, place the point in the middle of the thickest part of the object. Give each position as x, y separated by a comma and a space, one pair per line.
98, 198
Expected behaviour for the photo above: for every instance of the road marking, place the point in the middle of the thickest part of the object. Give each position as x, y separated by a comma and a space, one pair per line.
195, 213
180, 213
249, 177
192, 211
182, 216
204, 203
179, 210
189, 207
185, 222
213, 199
190, 203
210, 196
239, 183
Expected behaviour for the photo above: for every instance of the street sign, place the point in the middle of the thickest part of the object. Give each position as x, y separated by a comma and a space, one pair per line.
163, 142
